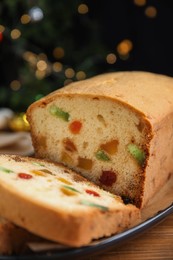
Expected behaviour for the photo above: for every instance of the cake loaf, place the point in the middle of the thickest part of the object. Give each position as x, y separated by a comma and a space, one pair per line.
115, 129
55, 203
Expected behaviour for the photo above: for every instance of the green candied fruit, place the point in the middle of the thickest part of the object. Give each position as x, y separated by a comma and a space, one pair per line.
91, 204
70, 188
101, 155
38, 164
137, 153
3, 169
58, 112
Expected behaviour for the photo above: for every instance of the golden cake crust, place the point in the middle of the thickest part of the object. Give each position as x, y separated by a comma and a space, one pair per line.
146, 92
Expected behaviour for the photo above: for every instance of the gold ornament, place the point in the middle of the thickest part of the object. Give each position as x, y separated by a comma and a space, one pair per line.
19, 123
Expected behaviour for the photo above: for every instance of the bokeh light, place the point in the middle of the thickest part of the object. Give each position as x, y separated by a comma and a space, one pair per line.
151, 12
15, 34
83, 9
15, 85
25, 18
111, 58
124, 47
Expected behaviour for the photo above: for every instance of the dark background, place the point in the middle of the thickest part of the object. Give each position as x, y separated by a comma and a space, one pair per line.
137, 33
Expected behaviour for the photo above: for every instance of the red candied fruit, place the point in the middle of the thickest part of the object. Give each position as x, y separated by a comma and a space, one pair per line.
92, 192
108, 178
75, 127
25, 176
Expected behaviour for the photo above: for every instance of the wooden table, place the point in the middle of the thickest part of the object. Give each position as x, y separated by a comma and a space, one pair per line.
155, 243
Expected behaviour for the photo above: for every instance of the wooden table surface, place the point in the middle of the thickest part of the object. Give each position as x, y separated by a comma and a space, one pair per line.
155, 243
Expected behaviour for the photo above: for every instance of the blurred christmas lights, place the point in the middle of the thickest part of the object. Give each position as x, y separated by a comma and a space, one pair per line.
58, 52
57, 66
67, 81
151, 12
2, 28
42, 67
80, 75
25, 18
40, 74
124, 47
140, 2
69, 73
15, 34
1, 36
15, 85
83, 9
36, 14
111, 58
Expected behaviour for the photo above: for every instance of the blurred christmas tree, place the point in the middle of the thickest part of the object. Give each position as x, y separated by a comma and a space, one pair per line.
45, 45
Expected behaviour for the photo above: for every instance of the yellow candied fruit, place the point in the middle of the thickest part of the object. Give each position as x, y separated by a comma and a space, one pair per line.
68, 192
85, 163
39, 173
110, 147
46, 171
64, 181
66, 158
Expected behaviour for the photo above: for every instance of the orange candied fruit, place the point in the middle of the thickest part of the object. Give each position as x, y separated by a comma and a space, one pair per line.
85, 163
110, 147
75, 127
69, 145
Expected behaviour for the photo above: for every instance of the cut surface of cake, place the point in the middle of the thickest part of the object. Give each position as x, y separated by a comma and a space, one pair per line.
55, 203
115, 129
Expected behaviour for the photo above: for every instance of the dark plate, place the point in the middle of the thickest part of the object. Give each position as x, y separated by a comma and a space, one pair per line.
99, 246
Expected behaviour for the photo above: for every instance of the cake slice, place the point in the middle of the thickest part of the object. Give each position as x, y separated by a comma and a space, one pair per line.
55, 203
115, 129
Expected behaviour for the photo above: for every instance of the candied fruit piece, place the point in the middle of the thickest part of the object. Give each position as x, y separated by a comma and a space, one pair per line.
92, 192
25, 176
85, 163
110, 147
75, 127
58, 112
64, 180
137, 153
108, 178
66, 158
3, 169
91, 204
38, 164
37, 172
69, 145
68, 192
101, 155
46, 171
